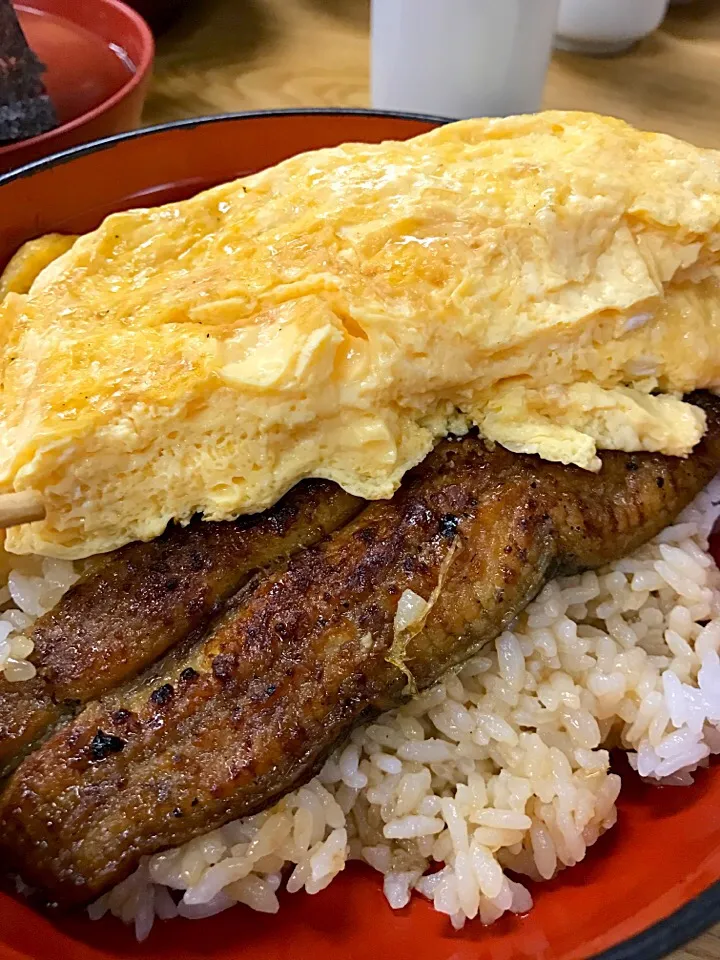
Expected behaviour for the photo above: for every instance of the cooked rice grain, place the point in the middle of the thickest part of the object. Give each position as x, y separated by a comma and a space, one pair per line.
501, 766
32, 585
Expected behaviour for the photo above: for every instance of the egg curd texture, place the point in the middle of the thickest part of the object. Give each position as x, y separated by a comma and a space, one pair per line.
550, 279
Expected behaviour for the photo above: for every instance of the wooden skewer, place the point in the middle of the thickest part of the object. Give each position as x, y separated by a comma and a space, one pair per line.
23, 507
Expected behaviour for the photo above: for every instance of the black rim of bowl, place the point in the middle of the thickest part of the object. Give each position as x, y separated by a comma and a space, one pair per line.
104, 143
694, 917
672, 932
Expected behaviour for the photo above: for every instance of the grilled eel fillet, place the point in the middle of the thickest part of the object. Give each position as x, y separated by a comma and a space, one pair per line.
145, 598
304, 653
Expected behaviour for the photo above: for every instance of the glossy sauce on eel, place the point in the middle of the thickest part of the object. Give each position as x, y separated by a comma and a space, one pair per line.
145, 598
347, 628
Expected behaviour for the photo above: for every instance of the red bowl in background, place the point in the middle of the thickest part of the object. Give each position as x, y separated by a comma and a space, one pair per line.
648, 886
98, 55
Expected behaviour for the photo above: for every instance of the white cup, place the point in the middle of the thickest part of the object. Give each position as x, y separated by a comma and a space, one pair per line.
606, 26
461, 58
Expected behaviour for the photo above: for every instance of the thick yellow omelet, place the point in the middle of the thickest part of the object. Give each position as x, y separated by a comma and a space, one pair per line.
32, 257
552, 279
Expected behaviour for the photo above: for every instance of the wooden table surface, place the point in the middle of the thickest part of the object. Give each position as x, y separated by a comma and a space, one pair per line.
225, 55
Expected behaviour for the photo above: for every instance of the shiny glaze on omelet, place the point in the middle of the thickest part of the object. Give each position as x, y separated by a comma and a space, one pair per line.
552, 279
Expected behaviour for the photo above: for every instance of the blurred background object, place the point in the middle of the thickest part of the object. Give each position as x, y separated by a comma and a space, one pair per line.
460, 58
159, 13
228, 55
606, 26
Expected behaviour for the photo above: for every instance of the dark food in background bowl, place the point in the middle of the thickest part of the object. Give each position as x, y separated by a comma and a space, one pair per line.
26, 110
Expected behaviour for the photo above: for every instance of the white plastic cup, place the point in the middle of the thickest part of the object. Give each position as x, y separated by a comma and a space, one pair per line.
606, 26
461, 58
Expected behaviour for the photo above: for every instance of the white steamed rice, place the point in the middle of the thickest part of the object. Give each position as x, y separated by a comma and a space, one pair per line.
501, 766
30, 587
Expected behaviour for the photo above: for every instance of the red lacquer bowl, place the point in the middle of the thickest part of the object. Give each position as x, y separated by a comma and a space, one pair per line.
646, 887
98, 55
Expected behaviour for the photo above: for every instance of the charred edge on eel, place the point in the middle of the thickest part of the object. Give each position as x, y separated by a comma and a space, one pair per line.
145, 598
